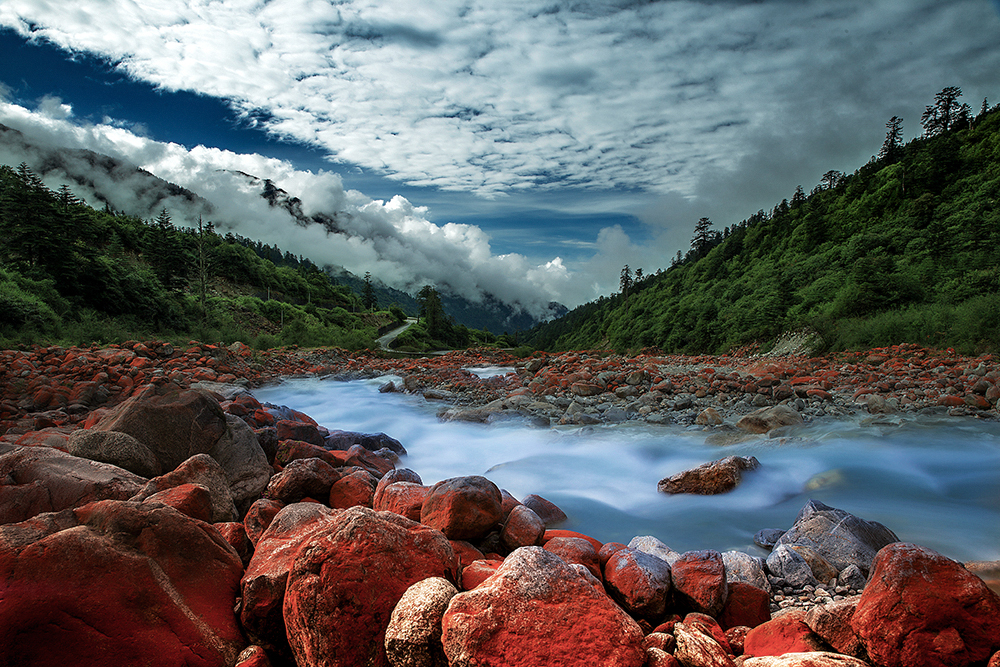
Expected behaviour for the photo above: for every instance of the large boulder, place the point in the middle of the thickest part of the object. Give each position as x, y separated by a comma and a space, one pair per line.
787, 633
463, 508
178, 425
344, 584
767, 419
805, 659
199, 469
838, 536
920, 608
34, 480
371, 441
119, 449
710, 478
742, 567
263, 584
117, 582
413, 638
537, 610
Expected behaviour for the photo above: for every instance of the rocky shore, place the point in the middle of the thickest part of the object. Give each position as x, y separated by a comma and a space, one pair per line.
152, 511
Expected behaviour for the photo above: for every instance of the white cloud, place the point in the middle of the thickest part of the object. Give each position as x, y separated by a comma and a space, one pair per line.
502, 97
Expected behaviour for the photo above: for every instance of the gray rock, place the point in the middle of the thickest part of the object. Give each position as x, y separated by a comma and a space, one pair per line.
654, 547
118, 449
244, 461
745, 568
413, 638
789, 568
227, 391
840, 537
767, 538
767, 419
852, 577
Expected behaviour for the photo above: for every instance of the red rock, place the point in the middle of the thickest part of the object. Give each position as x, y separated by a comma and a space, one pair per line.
463, 507
199, 469
555, 532
920, 608
194, 500
536, 610
404, 498
259, 517
301, 431
736, 635
523, 528
656, 657
34, 480
235, 534
507, 503
302, 478
576, 550
355, 489
951, 401
53, 437
978, 402
477, 572
699, 579
710, 478
709, 626
147, 585
253, 656
746, 606
263, 584
639, 582
465, 552
586, 389
995, 660
787, 633
333, 613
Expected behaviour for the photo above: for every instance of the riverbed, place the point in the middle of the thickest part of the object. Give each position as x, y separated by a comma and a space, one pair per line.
932, 479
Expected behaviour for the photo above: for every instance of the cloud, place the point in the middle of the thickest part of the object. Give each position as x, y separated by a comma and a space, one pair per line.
496, 98
394, 239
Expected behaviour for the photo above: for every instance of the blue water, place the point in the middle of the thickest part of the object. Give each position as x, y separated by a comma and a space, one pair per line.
933, 481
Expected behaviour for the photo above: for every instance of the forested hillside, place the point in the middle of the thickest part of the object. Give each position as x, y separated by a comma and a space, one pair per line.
903, 250
71, 273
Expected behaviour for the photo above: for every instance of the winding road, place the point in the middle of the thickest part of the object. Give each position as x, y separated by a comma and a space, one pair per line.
391, 336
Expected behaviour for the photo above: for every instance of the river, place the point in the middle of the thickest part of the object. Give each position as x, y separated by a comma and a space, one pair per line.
933, 480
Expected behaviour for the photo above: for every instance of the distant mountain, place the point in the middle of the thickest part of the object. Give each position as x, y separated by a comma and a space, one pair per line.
125, 187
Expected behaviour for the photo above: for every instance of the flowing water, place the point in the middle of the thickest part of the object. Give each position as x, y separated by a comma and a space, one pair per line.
934, 481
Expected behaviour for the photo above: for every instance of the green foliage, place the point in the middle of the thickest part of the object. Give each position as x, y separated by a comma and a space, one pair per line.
903, 250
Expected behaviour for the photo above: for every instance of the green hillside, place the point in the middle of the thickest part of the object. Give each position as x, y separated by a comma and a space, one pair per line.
73, 274
906, 249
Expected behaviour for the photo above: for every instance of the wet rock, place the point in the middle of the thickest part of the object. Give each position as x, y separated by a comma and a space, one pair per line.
413, 637
463, 507
371, 441
146, 582
289, 429
34, 480
404, 498
536, 610
654, 547
548, 511
523, 528
838, 536
767, 538
699, 579
789, 568
709, 417
333, 613
921, 608
639, 582
354, 489
710, 478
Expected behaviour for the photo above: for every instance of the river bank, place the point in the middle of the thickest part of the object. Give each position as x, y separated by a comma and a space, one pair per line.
290, 485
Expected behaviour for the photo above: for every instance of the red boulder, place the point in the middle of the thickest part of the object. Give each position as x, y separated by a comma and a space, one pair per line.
463, 508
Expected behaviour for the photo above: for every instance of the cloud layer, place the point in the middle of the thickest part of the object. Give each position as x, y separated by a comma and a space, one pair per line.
496, 97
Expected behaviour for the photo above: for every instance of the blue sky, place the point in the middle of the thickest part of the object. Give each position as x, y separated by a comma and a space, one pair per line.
526, 148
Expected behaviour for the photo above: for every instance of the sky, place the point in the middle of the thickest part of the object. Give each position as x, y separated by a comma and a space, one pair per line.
525, 148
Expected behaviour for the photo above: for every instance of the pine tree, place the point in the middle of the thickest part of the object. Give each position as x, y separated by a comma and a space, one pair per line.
893, 144
946, 113
368, 297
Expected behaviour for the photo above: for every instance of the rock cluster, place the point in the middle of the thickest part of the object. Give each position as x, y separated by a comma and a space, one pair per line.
204, 528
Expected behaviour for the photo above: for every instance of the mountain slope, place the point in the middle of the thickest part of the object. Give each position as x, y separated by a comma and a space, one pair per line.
903, 250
